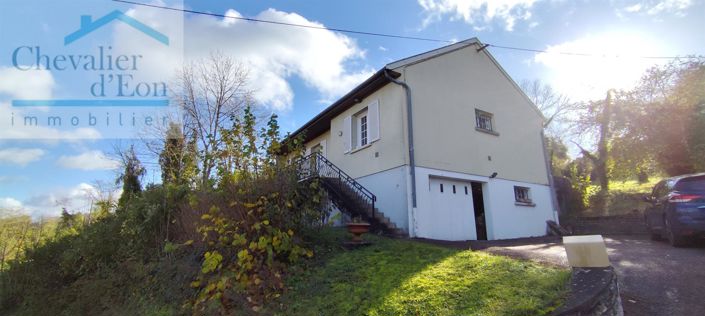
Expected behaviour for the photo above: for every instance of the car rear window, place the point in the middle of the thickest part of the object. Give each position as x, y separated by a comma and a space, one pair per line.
691, 184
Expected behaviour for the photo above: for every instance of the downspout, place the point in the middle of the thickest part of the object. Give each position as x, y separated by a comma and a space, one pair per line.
551, 184
410, 132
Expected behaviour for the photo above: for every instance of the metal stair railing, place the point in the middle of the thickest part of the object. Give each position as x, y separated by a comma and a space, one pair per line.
317, 166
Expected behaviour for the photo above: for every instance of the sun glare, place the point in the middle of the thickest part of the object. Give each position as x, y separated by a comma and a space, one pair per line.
616, 61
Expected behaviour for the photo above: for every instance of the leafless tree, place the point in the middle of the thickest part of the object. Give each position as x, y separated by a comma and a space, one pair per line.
211, 92
552, 104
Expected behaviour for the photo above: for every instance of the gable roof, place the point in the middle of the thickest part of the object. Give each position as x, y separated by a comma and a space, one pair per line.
321, 122
432, 53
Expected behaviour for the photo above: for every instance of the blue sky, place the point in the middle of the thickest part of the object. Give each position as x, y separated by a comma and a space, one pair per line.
298, 72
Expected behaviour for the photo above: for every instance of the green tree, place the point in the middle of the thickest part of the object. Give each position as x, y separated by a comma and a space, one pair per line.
271, 144
178, 159
249, 134
130, 178
660, 122
597, 117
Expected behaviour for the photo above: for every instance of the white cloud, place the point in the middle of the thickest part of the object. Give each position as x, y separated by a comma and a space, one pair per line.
657, 7
18, 84
35, 84
273, 53
20, 156
89, 160
633, 8
8, 203
478, 13
615, 63
669, 6
75, 199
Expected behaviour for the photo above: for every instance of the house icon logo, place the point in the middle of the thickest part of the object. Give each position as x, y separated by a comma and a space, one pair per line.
88, 26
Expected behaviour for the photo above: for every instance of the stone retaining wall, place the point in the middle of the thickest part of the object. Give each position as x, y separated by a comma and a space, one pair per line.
630, 224
594, 292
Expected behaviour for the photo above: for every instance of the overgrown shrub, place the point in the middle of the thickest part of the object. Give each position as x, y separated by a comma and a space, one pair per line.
251, 231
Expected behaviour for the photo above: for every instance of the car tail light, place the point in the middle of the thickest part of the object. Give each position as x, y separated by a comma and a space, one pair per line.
683, 198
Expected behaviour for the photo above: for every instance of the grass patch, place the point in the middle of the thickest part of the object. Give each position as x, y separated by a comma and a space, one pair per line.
390, 277
624, 197
400, 277
633, 186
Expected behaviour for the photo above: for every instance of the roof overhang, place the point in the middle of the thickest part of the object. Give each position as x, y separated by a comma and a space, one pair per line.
321, 122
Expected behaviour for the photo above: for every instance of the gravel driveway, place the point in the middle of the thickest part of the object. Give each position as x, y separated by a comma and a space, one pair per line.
655, 278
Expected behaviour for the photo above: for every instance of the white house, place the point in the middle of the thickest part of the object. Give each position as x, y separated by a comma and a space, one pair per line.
447, 142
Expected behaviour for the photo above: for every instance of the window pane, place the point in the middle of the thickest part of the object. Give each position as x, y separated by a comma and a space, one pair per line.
521, 194
483, 120
691, 184
363, 131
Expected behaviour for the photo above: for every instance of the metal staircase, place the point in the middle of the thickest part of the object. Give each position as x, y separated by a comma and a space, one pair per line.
347, 194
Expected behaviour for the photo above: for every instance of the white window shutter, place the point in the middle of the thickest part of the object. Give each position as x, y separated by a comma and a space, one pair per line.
373, 120
347, 134
324, 148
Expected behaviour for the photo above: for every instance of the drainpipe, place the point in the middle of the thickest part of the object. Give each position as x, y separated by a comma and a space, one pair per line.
410, 131
551, 184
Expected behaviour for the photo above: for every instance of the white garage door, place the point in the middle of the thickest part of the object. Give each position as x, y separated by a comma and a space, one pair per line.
451, 215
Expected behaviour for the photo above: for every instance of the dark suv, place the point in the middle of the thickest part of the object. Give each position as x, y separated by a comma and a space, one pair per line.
677, 210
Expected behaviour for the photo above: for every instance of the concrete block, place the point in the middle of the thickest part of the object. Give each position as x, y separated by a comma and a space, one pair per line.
586, 251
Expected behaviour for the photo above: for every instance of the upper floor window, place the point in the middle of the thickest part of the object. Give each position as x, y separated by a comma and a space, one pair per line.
363, 129
483, 120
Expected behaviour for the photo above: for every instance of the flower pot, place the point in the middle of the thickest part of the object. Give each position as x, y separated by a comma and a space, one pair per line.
357, 229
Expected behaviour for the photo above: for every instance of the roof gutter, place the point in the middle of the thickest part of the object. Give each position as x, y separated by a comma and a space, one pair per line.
410, 132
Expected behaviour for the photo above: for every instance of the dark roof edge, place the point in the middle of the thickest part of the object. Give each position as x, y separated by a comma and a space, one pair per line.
343, 103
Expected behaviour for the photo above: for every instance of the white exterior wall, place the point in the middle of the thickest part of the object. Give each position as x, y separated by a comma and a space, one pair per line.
504, 219
388, 152
390, 187
446, 91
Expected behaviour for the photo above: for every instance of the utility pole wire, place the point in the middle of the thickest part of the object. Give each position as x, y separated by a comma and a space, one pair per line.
426, 39
286, 23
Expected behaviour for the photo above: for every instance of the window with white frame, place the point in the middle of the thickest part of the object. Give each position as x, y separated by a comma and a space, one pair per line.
521, 194
483, 120
362, 128
362, 135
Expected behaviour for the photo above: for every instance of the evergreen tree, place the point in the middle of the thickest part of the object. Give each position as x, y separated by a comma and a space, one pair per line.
171, 157
270, 140
178, 159
130, 178
249, 135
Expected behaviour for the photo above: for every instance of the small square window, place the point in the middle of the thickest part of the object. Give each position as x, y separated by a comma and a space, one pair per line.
483, 120
521, 194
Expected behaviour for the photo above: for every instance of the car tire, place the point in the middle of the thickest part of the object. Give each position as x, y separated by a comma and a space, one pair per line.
673, 239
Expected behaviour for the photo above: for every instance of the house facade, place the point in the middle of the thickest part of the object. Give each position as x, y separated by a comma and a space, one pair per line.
447, 142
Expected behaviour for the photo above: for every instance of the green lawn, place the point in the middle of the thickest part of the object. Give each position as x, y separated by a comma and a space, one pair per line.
625, 196
400, 277
632, 186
